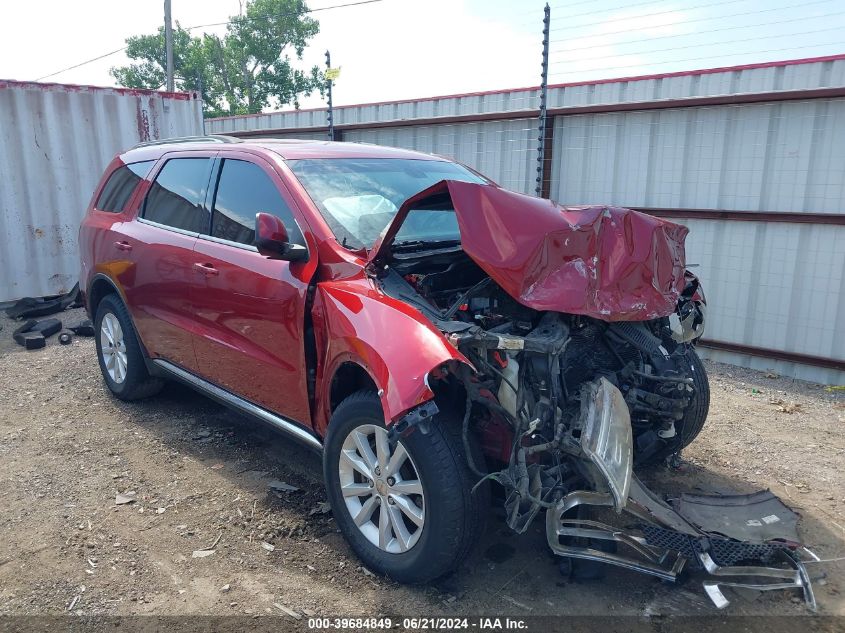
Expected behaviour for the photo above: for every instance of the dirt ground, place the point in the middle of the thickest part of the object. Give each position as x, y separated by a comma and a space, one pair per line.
208, 535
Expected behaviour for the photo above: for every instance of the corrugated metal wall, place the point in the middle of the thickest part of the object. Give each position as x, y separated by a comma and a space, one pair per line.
805, 75
785, 156
774, 286
55, 141
720, 142
306, 136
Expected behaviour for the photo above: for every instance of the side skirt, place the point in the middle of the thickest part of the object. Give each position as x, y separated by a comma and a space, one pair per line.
288, 427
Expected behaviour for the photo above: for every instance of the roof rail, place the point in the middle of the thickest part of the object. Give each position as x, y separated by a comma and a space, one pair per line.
211, 138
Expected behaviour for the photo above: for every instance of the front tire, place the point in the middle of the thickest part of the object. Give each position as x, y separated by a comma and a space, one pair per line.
119, 352
697, 412
693, 421
407, 511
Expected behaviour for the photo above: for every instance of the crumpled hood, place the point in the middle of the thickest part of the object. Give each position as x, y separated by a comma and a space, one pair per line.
609, 263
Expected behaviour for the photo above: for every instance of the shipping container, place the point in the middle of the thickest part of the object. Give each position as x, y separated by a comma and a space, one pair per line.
55, 141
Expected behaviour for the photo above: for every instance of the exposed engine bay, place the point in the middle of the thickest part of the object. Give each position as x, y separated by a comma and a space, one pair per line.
535, 362
564, 405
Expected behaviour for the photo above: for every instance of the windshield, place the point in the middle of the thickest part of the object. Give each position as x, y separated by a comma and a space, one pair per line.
358, 197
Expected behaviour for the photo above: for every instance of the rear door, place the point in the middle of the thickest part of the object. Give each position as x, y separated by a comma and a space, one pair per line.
251, 310
159, 244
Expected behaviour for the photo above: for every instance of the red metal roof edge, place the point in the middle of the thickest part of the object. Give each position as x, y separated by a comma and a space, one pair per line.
137, 92
680, 73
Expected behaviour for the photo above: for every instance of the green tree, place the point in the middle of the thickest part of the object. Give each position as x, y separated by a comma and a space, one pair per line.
243, 72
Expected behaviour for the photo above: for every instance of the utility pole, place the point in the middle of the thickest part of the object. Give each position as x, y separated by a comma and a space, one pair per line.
544, 85
330, 114
202, 101
168, 44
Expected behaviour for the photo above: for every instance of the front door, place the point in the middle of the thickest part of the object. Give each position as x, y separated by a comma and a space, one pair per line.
251, 310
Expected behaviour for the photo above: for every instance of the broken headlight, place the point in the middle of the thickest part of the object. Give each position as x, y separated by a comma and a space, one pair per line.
606, 437
689, 324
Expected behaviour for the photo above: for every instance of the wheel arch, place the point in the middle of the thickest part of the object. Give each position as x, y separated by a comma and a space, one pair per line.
349, 377
100, 287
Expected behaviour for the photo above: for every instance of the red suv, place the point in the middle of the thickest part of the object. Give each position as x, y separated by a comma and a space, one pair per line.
429, 332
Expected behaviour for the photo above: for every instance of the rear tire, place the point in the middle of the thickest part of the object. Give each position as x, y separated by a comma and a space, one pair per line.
119, 352
453, 516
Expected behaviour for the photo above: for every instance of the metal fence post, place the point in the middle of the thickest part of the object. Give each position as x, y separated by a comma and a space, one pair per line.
544, 83
330, 114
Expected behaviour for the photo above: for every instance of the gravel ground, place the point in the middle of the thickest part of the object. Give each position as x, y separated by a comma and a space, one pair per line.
207, 534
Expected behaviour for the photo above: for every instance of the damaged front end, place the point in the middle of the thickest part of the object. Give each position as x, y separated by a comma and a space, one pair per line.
579, 325
740, 541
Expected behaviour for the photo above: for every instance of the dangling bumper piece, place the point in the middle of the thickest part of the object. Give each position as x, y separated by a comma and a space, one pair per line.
662, 543
739, 541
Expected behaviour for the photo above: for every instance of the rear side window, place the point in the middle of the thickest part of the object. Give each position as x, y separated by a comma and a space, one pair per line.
120, 185
176, 196
244, 189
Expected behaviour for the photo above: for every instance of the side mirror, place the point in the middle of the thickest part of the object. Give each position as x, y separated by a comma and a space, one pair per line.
271, 238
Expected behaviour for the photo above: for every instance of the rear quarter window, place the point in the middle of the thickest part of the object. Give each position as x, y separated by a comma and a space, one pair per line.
119, 187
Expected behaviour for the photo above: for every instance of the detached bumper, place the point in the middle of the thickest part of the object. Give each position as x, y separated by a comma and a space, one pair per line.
742, 541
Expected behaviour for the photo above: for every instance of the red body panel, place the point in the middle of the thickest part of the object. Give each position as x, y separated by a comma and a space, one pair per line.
157, 286
609, 263
96, 234
356, 322
250, 336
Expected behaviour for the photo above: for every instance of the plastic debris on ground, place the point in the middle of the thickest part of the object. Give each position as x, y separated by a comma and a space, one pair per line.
29, 307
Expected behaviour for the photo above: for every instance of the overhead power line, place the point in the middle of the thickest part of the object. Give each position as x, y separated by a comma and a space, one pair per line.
685, 22
58, 72
281, 15
199, 26
696, 33
702, 45
638, 16
565, 16
693, 59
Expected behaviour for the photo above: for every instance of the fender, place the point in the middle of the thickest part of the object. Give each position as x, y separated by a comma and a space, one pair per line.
390, 340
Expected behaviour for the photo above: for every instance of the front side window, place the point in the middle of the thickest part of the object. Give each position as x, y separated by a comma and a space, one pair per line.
358, 197
176, 196
120, 185
244, 189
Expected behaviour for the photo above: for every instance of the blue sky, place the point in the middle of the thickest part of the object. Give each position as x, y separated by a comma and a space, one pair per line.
400, 49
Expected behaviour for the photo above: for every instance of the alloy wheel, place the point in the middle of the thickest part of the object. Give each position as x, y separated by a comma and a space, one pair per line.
382, 489
113, 346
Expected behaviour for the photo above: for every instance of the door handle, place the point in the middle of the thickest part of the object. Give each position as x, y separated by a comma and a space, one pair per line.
123, 245
206, 269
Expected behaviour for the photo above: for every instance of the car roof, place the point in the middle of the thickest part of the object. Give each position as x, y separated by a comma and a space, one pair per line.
289, 149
